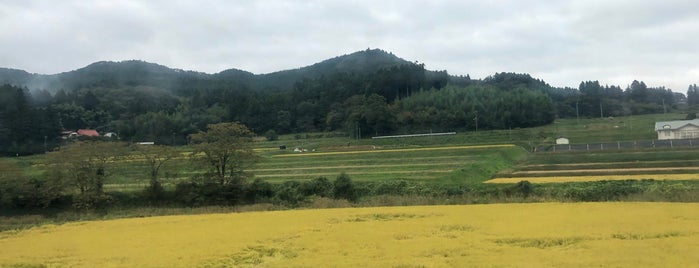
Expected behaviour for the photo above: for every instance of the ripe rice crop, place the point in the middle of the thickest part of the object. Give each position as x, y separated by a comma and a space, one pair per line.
561, 179
500, 235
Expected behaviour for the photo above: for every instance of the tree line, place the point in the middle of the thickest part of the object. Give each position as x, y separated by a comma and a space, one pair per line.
393, 100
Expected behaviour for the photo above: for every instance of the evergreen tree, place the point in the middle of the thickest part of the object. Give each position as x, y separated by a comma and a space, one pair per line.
693, 95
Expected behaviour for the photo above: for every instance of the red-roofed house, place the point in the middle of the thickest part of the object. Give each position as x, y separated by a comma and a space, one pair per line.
88, 133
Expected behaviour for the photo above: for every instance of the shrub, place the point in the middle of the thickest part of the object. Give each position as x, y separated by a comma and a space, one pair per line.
320, 186
88, 201
522, 189
391, 188
288, 194
271, 135
603, 190
259, 191
154, 192
18, 192
343, 188
186, 193
209, 193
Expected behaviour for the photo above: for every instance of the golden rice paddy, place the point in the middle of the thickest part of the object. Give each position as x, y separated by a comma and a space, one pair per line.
561, 179
500, 235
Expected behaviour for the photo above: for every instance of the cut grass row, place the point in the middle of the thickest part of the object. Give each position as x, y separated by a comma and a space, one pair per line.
564, 179
630, 157
659, 164
590, 172
612, 165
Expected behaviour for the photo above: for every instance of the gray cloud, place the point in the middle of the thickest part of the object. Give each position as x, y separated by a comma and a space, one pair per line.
561, 42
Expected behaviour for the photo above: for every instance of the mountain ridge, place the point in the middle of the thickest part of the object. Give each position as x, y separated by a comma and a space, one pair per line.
139, 72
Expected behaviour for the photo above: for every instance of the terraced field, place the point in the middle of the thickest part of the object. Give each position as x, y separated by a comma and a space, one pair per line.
424, 163
461, 164
623, 165
499, 235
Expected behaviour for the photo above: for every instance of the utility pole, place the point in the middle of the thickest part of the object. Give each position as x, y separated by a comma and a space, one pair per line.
577, 113
601, 115
476, 119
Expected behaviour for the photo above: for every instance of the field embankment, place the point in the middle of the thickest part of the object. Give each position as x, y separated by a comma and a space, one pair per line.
509, 235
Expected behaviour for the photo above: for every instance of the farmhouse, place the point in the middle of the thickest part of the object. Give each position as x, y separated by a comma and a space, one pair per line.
679, 129
88, 133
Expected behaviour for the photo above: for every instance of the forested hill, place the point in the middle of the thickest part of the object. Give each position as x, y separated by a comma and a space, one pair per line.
107, 74
104, 74
364, 62
367, 93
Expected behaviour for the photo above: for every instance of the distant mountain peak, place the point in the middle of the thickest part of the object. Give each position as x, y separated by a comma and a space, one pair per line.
365, 60
233, 72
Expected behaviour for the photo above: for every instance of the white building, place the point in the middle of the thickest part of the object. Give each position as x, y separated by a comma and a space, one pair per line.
679, 129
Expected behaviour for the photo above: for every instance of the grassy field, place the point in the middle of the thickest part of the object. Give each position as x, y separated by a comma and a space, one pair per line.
583, 130
500, 235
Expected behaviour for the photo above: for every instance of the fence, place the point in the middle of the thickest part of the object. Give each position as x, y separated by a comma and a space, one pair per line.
620, 145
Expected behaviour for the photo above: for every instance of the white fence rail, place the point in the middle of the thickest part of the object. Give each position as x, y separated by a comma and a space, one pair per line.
414, 135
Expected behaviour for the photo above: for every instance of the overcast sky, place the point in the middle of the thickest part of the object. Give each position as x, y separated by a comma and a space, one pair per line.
561, 42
